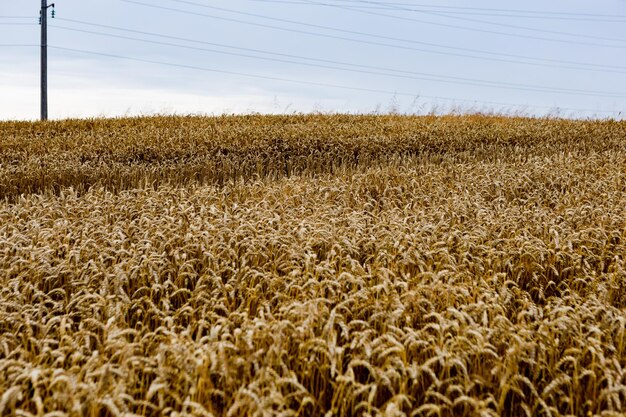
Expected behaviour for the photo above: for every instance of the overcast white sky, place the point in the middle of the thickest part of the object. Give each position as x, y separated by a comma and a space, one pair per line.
409, 56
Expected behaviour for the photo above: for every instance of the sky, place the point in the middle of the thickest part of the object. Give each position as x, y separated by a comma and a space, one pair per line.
140, 57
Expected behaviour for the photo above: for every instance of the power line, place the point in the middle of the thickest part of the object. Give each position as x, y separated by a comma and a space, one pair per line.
17, 45
447, 14
439, 6
549, 62
319, 84
515, 16
370, 69
409, 19
585, 17
16, 17
351, 8
258, 50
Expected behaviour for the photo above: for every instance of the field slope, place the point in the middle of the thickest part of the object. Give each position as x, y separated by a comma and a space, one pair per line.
313, 265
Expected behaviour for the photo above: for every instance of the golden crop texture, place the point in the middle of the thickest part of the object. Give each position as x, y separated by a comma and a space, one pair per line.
313, 265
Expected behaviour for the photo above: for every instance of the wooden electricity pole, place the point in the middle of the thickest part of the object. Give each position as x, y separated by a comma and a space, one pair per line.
44, 57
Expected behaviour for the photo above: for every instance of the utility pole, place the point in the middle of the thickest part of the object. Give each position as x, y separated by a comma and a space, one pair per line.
43, 20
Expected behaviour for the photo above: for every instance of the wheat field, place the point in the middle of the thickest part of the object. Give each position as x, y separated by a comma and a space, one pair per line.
313, 265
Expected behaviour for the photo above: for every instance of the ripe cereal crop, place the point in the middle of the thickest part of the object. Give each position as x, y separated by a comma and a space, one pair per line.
313, 265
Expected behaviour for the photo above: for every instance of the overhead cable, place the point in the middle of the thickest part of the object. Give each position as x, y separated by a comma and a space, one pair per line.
478, 11
467, 28
447, 14
542, 62
386, 72
321, 84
